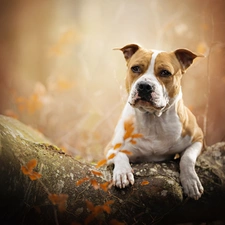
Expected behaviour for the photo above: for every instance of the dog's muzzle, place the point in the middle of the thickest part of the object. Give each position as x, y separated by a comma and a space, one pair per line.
147, 97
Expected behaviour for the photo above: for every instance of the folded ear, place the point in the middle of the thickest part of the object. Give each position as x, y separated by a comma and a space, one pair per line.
128, 50
185, 58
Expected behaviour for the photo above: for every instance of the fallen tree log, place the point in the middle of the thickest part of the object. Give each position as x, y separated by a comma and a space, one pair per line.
40, 184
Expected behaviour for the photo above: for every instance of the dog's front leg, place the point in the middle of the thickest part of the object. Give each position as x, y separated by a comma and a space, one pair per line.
189, 178
122, 173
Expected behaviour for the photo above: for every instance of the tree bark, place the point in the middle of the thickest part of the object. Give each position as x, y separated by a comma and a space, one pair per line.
82, 195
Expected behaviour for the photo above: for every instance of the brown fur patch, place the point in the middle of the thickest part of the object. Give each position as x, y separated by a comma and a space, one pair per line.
141, 58
189, 123
168, 61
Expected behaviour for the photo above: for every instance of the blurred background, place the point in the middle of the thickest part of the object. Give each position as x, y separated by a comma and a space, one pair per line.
59, 74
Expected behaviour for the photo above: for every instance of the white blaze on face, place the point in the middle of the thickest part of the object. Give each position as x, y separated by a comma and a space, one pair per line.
159, 95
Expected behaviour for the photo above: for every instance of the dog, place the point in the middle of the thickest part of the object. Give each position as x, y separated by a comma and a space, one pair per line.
164, 126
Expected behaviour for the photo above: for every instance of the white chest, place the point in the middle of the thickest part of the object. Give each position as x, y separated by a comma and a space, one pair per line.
161, 137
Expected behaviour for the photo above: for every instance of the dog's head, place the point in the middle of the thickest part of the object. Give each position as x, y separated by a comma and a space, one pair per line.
154, 77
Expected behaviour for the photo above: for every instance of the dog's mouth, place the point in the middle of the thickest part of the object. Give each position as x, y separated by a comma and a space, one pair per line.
145, 102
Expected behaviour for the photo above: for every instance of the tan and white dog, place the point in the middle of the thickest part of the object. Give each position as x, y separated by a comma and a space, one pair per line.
155, 104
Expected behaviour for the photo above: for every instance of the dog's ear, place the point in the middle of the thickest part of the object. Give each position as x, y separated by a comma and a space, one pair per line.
185, 58
128, 50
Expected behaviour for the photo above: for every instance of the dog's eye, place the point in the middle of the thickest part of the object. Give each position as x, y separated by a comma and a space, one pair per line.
136, 69
165, 73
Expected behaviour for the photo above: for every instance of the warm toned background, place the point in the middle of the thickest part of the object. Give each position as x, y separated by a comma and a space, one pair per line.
59, 74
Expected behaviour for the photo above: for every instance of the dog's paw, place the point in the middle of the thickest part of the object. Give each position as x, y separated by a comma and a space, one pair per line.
123, 176
191, 185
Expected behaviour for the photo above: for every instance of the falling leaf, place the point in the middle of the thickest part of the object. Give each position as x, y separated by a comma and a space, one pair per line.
129, 128
60, 200
144, 182
112, 156
101, 163
133, 142
28, 170
202, 48
126, 152
95, 184
81, 181
118, 145
137, 135
97, 173
31, 104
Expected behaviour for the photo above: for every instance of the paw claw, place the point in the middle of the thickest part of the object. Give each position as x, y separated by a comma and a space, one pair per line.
122, 177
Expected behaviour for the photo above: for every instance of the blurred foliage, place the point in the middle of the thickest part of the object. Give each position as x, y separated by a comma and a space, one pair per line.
58, 72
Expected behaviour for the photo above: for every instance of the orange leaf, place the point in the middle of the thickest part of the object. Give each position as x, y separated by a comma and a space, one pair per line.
129, 128
60, 200
118, 145
105, 186
95, 184
28, 170
110, 202
111, 156
90, 205
101, 163
106, 208
97, 173
81, 181
126, 152
98, 210
144, 182
31, 164
137, 135
133, 142
127, 134
35, 176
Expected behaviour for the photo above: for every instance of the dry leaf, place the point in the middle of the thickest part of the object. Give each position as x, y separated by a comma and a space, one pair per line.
126, 152
28, 170
118, 145
133, 142
129, 128
60, 200
112, 156
81, 181
90, 205
95, 184
97, 173
101, 163
137, 135
144, 182
105, 186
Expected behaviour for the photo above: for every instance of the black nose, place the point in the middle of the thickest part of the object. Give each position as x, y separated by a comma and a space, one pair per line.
144, 89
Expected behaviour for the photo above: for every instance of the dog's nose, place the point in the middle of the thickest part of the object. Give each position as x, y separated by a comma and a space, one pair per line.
144, 89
